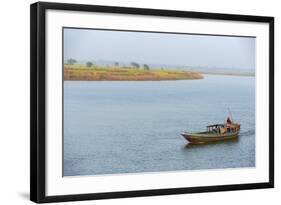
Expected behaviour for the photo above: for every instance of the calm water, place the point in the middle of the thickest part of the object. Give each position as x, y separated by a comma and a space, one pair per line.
128, 127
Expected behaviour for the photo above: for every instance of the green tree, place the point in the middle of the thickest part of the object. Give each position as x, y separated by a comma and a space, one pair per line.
71, 61
89, 64
135, 65
116, 64
145, 67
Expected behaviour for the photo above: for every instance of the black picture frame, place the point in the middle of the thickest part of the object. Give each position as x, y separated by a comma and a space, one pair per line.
38, 101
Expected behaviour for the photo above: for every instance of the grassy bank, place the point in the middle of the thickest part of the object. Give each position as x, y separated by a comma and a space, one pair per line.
95, 73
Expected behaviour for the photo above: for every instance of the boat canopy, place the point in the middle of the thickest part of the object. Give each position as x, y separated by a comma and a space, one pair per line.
215, 125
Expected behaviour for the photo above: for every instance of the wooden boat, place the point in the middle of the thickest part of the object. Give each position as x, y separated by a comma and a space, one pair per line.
214, 133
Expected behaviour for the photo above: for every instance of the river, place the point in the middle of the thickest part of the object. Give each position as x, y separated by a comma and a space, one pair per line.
113, 127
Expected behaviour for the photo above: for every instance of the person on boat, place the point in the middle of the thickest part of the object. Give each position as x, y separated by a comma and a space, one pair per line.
228, 120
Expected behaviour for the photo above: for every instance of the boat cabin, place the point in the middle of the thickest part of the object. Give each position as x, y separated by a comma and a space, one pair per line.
223, 128
214, 128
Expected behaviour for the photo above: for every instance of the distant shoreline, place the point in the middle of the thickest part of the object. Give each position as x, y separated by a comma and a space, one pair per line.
96, 73
231, 74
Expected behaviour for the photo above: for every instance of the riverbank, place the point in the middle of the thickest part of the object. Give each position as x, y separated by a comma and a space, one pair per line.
95, 73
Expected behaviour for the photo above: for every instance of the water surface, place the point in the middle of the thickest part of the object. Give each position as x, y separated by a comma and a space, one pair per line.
113, 127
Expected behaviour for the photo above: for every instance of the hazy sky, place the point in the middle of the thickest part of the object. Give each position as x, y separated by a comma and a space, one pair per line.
155, 48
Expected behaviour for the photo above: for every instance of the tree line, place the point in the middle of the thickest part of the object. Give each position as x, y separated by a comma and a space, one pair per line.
89, 64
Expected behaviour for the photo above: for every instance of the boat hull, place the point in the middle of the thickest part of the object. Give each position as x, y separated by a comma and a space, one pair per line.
199, 138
